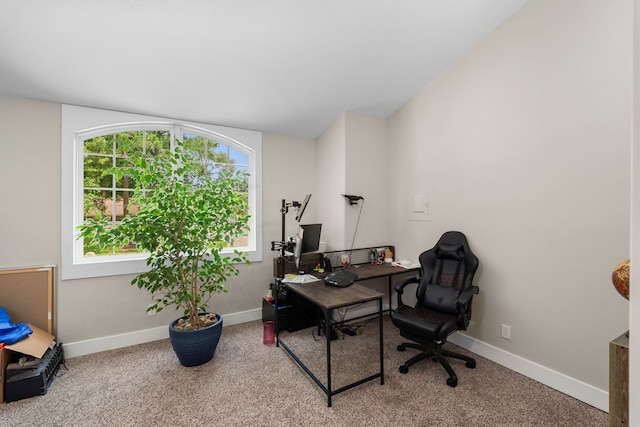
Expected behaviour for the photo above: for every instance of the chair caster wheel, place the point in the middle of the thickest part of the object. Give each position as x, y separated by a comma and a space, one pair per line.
452, 382
403, 369
471, 364
400, 347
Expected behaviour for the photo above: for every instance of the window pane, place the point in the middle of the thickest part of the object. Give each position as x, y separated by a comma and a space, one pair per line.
99, 145
95, 168
129, 142
130, 248
198, 147
244, 171
90, 250
222, 150
220, 153
126, 182
100, 203
95, 203
123, 207
241, 169
241, 241
238, 157
157, 141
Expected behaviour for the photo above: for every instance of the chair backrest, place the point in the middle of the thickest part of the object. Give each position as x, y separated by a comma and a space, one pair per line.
447, 269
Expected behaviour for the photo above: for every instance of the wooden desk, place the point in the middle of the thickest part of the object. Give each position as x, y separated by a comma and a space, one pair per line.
360, 264
372, 271
360, 260
328, 298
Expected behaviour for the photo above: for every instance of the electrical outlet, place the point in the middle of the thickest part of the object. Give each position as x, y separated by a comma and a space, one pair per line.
506, 331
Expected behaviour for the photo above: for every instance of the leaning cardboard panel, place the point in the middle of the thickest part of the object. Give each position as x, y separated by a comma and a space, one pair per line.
27, 295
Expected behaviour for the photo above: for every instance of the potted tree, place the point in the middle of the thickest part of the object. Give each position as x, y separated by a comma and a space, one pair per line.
188, 212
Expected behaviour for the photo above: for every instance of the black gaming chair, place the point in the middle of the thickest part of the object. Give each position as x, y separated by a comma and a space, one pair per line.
443, 306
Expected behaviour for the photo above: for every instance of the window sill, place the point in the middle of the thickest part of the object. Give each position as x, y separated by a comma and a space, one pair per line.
116, 266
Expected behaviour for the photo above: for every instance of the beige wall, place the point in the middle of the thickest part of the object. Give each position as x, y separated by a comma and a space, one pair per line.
289, 173
366, 176
330, 183
525, 143
30, 183
352, 159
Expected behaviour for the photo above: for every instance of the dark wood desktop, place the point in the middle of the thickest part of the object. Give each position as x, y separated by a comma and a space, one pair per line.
360, 265
372, 271
330, 297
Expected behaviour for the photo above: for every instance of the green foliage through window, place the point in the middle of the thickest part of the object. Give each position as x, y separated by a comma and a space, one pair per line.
108, 193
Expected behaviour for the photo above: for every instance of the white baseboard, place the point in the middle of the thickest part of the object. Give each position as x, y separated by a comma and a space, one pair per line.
96, 345
556, 380
577, 389
81, 348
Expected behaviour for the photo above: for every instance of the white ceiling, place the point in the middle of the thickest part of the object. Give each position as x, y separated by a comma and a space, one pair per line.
283, 66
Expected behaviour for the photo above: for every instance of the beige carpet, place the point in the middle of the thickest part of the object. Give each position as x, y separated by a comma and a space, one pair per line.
250, 384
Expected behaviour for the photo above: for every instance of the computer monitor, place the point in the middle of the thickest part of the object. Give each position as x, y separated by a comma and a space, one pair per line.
307, 240
302, 207
310, 237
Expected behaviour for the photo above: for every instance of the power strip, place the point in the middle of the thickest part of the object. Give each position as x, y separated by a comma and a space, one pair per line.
349, 331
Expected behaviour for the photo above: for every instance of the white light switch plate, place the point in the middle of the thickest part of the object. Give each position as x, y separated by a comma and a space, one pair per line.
420, 206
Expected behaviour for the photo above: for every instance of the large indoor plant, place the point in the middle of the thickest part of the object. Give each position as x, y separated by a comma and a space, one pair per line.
188, 213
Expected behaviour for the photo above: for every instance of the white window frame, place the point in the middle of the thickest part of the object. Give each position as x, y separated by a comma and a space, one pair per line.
80, 123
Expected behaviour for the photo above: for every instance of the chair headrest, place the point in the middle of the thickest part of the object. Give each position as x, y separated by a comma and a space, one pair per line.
448, 251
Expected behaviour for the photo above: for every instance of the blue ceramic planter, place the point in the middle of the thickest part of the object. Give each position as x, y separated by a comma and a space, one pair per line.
196, 347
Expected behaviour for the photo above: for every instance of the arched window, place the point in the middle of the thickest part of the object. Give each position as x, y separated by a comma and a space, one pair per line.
91, 142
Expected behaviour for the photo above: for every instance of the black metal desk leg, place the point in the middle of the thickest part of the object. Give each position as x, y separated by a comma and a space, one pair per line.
327, 334
390, 283
381, 342
275, 314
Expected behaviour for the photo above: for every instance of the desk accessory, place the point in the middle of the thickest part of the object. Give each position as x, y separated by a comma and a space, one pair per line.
340, 278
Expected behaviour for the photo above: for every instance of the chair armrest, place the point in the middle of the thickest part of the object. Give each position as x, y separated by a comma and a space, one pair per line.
465, 296
464, 305
399, 287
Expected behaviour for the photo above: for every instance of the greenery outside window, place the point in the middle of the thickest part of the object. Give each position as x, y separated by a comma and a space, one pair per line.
96, 193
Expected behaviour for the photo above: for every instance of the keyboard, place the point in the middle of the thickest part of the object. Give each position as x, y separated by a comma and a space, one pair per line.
340, 278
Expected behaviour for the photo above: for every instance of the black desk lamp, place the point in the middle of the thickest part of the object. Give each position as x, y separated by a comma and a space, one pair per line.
353, 200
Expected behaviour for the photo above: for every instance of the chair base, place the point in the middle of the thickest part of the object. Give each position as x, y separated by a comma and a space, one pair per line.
437, 354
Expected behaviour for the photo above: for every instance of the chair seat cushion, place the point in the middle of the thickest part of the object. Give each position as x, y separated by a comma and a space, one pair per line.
425, 323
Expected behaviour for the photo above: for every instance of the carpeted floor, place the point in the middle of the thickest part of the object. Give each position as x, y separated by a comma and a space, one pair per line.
250, 384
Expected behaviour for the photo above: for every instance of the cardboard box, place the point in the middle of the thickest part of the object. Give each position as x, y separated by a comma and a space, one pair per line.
34, 345
27, 295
